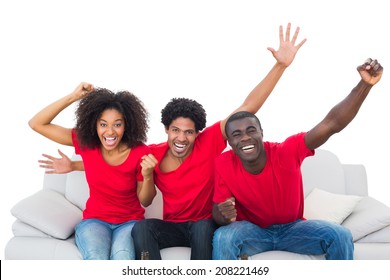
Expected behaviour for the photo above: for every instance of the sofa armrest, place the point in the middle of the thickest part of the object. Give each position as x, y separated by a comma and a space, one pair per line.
22, 229
380, 236
369, 216
49, 212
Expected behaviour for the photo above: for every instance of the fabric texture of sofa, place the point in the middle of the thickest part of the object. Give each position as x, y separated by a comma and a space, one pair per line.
45, 221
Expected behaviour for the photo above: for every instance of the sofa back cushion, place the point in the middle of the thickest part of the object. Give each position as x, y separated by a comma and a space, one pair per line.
55, 182
77, 190
323, 171
76, 187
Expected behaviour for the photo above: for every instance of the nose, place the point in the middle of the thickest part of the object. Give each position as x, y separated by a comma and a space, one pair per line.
245, 137
181, 136
110, 129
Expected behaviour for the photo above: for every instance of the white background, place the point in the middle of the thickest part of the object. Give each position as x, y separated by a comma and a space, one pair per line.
211, 51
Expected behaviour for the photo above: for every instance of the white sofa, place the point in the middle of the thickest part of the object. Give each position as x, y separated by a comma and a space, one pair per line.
45, 221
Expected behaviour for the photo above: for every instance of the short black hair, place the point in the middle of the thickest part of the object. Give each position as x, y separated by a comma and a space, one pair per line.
241, 115
91, 107
186, 108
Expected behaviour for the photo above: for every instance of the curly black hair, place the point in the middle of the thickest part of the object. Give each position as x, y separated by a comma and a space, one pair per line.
186, 108
91, 107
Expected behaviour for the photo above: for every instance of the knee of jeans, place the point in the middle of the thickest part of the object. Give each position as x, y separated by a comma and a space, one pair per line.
222, 234
340, 234
345, 235
204, 226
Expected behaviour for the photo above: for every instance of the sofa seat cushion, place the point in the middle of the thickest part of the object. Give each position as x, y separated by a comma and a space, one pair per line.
323, 205
40, 248
49, 212
372, 251
176, 253
369, 216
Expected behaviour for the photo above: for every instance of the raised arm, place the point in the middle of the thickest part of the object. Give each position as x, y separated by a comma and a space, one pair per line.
146, 189
41, 122
284, 57
345, 111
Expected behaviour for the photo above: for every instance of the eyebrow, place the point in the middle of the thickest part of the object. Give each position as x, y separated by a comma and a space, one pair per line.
190, 129
103, 120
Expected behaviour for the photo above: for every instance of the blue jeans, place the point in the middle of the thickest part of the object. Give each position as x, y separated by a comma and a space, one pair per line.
98, 240
311, 237
152, 235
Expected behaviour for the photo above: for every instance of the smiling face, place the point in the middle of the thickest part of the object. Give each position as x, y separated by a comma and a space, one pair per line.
181, 137
246, 139
110, 128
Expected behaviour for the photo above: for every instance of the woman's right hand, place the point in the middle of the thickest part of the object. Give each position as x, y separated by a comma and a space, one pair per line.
81, 90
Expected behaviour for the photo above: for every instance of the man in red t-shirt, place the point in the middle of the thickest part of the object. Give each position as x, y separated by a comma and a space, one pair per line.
185, 170
258, 193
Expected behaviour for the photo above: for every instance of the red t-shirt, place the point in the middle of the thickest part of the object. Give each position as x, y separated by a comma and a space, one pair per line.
275, 196
112, 189
188, 191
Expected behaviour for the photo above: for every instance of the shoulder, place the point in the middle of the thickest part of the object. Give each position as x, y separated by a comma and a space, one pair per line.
211, 138
225, 159
142, 148
213, 129
293, 148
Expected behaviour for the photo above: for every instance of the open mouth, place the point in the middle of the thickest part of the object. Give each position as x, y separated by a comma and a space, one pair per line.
110, 141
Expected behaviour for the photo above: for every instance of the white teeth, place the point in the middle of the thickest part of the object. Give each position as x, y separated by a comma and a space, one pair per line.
110, 140
249, 147
179, 146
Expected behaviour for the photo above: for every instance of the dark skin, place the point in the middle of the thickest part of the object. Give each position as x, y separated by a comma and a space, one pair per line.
246, 132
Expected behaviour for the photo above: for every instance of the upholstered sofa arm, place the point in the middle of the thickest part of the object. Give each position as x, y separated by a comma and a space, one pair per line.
369, 217
49, 212
20, 229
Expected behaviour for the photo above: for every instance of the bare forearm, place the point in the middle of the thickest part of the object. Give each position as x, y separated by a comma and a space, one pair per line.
47, 114
257, 97
147, 192
261, 92
77, 166
41, 122
338, 117
344, 112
